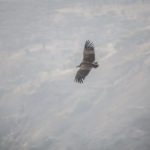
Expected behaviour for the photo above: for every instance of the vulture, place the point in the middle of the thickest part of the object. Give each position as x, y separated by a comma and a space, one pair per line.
87, 63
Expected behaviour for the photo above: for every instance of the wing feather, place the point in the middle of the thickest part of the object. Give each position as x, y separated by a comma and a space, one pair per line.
89, 53
83, 72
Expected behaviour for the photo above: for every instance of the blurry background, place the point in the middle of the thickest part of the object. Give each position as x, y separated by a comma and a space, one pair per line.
41, 43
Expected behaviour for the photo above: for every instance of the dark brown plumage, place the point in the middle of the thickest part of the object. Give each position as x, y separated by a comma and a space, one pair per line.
87, 63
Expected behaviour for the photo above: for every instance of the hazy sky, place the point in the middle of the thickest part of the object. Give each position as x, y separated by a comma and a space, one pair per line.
41, 43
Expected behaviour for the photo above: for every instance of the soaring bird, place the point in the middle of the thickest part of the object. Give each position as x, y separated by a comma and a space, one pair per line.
87, 63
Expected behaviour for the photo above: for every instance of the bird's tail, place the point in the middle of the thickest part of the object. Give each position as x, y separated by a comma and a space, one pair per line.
95, 65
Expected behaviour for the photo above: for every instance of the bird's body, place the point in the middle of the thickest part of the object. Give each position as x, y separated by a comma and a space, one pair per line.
87, 63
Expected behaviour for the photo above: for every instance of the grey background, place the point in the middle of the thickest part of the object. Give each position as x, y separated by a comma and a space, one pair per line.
41, 43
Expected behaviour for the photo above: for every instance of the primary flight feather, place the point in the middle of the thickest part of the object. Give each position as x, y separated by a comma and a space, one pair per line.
87, 63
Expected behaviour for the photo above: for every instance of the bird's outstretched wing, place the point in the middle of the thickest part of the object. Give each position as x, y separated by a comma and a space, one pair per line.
82, 72
88, 53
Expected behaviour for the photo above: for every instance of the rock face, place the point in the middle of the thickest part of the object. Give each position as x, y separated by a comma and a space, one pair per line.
41, 108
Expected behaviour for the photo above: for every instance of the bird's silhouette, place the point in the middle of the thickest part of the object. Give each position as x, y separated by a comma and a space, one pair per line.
87, 63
